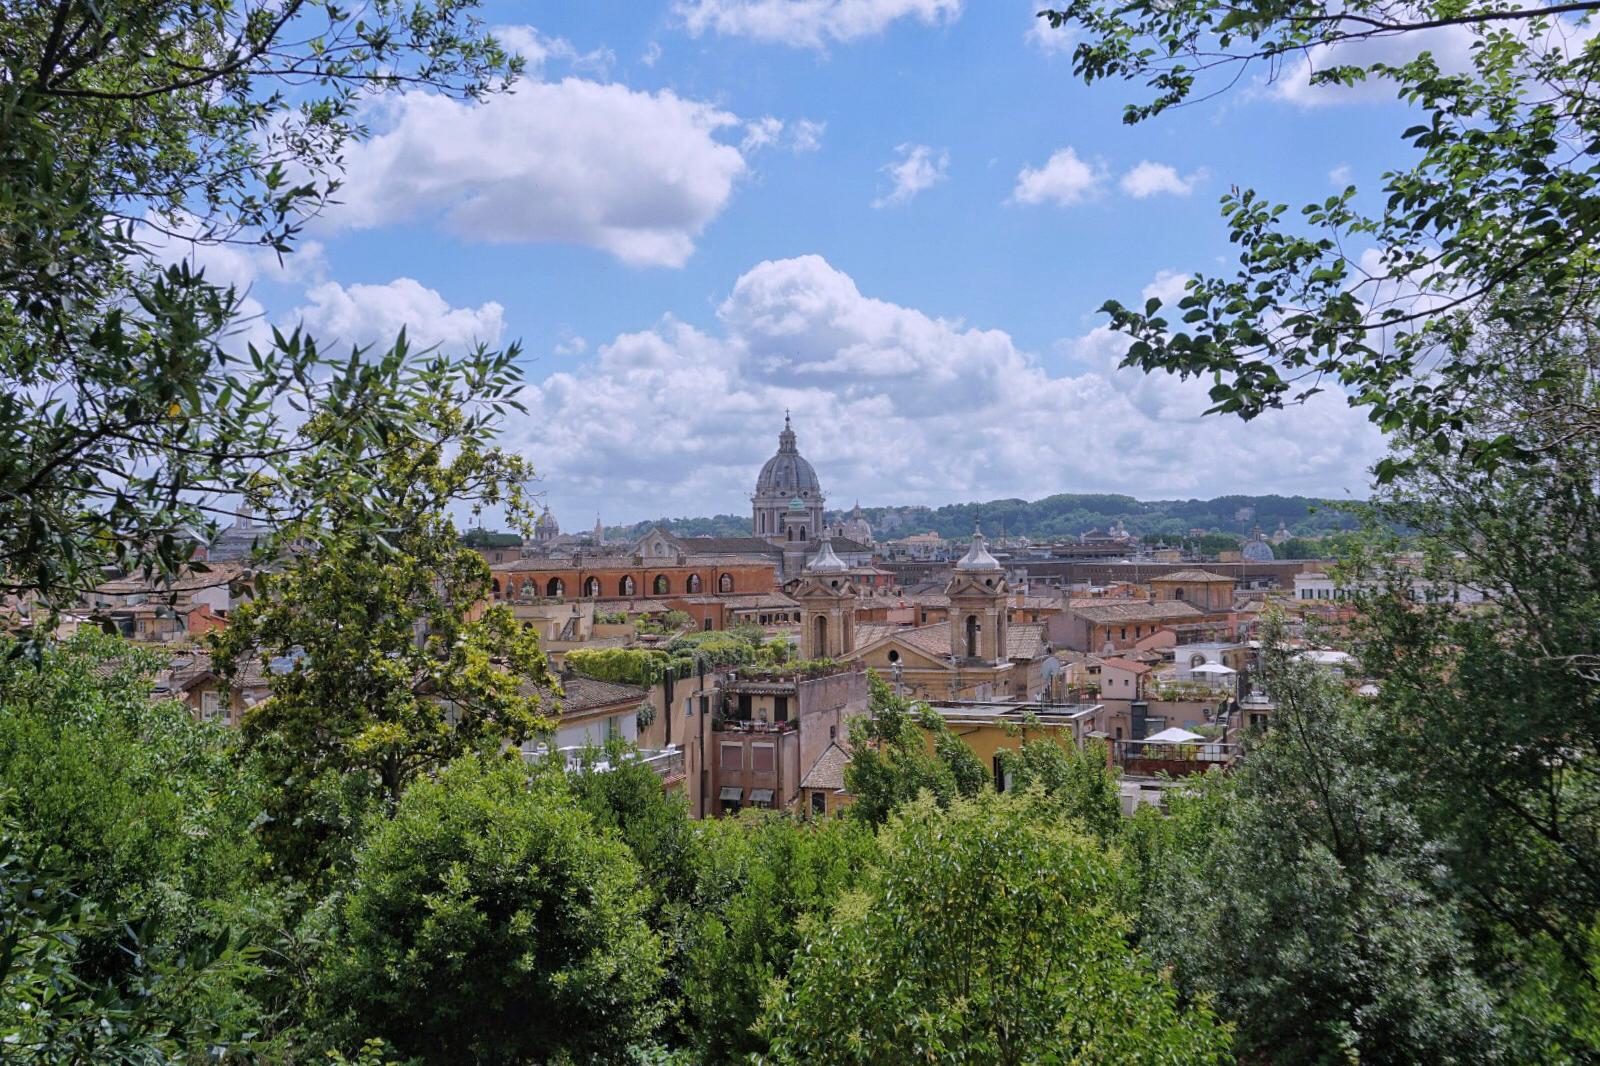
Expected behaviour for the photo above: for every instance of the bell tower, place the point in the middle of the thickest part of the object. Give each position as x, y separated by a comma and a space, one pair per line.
979, 616
827, 607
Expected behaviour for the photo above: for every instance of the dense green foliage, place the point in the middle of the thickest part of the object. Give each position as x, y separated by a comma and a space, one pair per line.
680, 657
125, 866
989, 933
488, 921
891, 763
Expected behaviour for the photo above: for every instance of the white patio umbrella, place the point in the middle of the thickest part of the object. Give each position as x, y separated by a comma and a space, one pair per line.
1174, 735
1212, 668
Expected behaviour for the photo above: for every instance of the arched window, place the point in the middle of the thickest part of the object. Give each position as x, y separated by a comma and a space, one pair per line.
820, 651
1177, 593
528, 588
662, 585
494, 588
1196, 660
972, 636
725, 583
894, 656
555, 587
591, 587
626, 587
694, 583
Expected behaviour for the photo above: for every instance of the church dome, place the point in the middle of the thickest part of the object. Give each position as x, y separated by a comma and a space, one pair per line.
1258, 551
977, 557
787, 473
826, 561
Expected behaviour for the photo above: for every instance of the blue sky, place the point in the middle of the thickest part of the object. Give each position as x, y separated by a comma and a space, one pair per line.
896, 217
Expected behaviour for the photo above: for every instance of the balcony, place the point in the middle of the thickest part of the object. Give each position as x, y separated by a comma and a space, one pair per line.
735, 725
666, 762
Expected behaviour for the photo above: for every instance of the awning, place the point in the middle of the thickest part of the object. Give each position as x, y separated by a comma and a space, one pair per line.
1212, 668
733, 794
760, 796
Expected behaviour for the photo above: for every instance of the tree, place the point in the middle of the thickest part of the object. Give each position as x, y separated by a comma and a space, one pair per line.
890, 763
1492, 225
137, 131
1076, 778
130, 920
1492, 708
1308, 903
491, 921
388, 665
759, 880
988, 933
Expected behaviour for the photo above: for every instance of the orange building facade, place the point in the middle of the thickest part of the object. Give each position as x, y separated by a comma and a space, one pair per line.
526, 580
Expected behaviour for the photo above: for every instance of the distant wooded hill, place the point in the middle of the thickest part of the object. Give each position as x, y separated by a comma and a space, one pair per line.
1065, 515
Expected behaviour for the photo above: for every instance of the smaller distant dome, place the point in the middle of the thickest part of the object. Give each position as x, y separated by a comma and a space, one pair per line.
977, 557
1258, 551
797, 504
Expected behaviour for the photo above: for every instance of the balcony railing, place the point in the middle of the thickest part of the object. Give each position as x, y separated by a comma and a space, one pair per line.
734, 725
666, 762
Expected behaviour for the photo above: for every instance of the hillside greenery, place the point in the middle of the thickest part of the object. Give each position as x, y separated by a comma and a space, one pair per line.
1060, 516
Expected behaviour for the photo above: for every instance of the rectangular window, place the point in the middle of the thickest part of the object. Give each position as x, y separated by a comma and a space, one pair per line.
210, 705
780, 708
819, 803
763, 758
732, 756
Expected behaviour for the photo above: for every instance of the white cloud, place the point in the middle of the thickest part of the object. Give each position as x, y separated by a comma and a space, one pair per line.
540, 50
897, 406
1451, 47
918, 168
1340, 175
639, 175
1167, 286
340, 316
1152, 179
801, 135
651, 54
809, 23
1044, 37
1064, 180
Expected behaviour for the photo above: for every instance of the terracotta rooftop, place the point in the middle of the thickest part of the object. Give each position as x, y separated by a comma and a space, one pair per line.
590, 693
1136, 611
1129, 665
828, 771
1193, 577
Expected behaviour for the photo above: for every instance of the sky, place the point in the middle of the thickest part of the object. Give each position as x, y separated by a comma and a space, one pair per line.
894, 218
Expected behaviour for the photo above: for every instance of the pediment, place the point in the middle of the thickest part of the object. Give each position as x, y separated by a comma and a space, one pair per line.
876, 655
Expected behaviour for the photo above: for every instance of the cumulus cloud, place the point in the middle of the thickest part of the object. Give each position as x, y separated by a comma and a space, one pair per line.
1063, 180
809, 23
636, 174
919, 167
341, 316
1153, 179
898, 406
